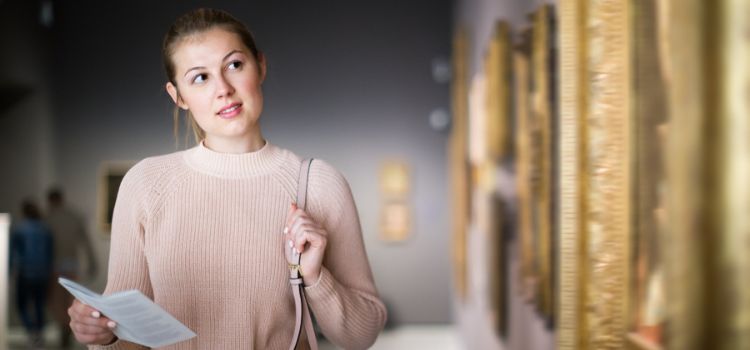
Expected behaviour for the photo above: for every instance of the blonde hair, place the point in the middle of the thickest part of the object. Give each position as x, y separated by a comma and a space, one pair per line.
189, 24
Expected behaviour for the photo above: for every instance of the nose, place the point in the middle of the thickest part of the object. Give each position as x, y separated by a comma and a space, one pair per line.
223, 87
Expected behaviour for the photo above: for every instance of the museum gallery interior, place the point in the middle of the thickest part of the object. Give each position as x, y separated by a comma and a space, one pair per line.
529, 175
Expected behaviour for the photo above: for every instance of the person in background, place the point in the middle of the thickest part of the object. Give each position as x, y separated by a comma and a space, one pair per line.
31, 265
71, 240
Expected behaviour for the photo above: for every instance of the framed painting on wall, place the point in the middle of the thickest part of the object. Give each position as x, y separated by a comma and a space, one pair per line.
523, 166
395, 208
654, 247
650, 187
110, 177
498, 119
459, 162
542, 131
594, 212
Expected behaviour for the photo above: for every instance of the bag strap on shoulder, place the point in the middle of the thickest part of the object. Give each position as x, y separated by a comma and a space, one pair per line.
302, 312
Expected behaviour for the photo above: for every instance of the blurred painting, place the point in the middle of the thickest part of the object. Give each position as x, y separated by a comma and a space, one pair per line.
111, 175
523, 166
497, 164
395, 222
395, 188
542, 151
459, 163
651, 129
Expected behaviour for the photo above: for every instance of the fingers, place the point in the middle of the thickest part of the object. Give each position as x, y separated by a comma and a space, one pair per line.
88, 324
301, 229
292, 215
309, 234
302, 233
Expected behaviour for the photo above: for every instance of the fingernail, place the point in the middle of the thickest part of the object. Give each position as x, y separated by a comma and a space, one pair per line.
95, 314
286, 230
111, 324
291, 244
297, 250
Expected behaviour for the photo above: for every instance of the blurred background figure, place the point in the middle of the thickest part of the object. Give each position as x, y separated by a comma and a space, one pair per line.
31, 265
71, 242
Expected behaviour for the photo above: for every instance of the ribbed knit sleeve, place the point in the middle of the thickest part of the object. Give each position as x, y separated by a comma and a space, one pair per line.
127, 262
344, 300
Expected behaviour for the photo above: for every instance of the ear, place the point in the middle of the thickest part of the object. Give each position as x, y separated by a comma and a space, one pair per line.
172, 91
262, 66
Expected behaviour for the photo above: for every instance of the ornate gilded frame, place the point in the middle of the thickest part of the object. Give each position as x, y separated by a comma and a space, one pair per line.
543, 146
459, 164
708, 198
523, 161
733, 154
708, 170
497, 68
650, 118
595, 146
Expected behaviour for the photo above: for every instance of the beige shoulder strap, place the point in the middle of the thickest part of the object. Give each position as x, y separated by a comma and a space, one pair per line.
302, 312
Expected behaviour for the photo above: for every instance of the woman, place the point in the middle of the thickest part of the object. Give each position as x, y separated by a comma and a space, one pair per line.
200, 231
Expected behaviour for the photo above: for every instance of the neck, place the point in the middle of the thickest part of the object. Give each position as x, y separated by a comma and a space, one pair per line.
236, 145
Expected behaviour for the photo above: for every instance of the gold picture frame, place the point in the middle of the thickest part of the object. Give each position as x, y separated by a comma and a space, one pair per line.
110, 177
709, 51
523, 160
650, 118
497, 67
498, 121
542, 146
607, 125
459, 163
595, 145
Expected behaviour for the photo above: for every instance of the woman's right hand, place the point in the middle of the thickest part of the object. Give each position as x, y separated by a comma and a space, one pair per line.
89, 325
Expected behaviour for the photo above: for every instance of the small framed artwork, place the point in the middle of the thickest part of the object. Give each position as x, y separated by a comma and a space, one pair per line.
460, 169
395, 188
110, 177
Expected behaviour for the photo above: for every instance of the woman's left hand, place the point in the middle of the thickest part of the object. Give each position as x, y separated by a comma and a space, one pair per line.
305, 235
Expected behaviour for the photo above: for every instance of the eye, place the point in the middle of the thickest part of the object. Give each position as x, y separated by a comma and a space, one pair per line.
199, 79
234, 65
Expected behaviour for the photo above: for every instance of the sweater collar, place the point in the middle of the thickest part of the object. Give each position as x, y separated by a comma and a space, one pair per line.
230, 165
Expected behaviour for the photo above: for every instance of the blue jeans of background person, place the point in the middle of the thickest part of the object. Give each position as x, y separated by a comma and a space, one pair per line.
30, 298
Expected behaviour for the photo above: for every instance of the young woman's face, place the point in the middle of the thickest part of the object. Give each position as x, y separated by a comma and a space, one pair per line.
219, 81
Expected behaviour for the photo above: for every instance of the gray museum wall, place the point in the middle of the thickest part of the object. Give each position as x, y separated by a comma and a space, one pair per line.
347, 83
26, 109
526, 330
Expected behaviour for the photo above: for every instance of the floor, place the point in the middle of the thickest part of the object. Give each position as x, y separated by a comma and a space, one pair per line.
434, 337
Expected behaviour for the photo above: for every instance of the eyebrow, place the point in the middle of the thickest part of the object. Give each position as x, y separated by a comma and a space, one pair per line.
223, 59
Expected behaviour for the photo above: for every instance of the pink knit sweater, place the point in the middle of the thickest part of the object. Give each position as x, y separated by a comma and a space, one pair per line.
200, 232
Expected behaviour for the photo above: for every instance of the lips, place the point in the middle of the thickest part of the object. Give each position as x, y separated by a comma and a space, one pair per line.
230, 110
